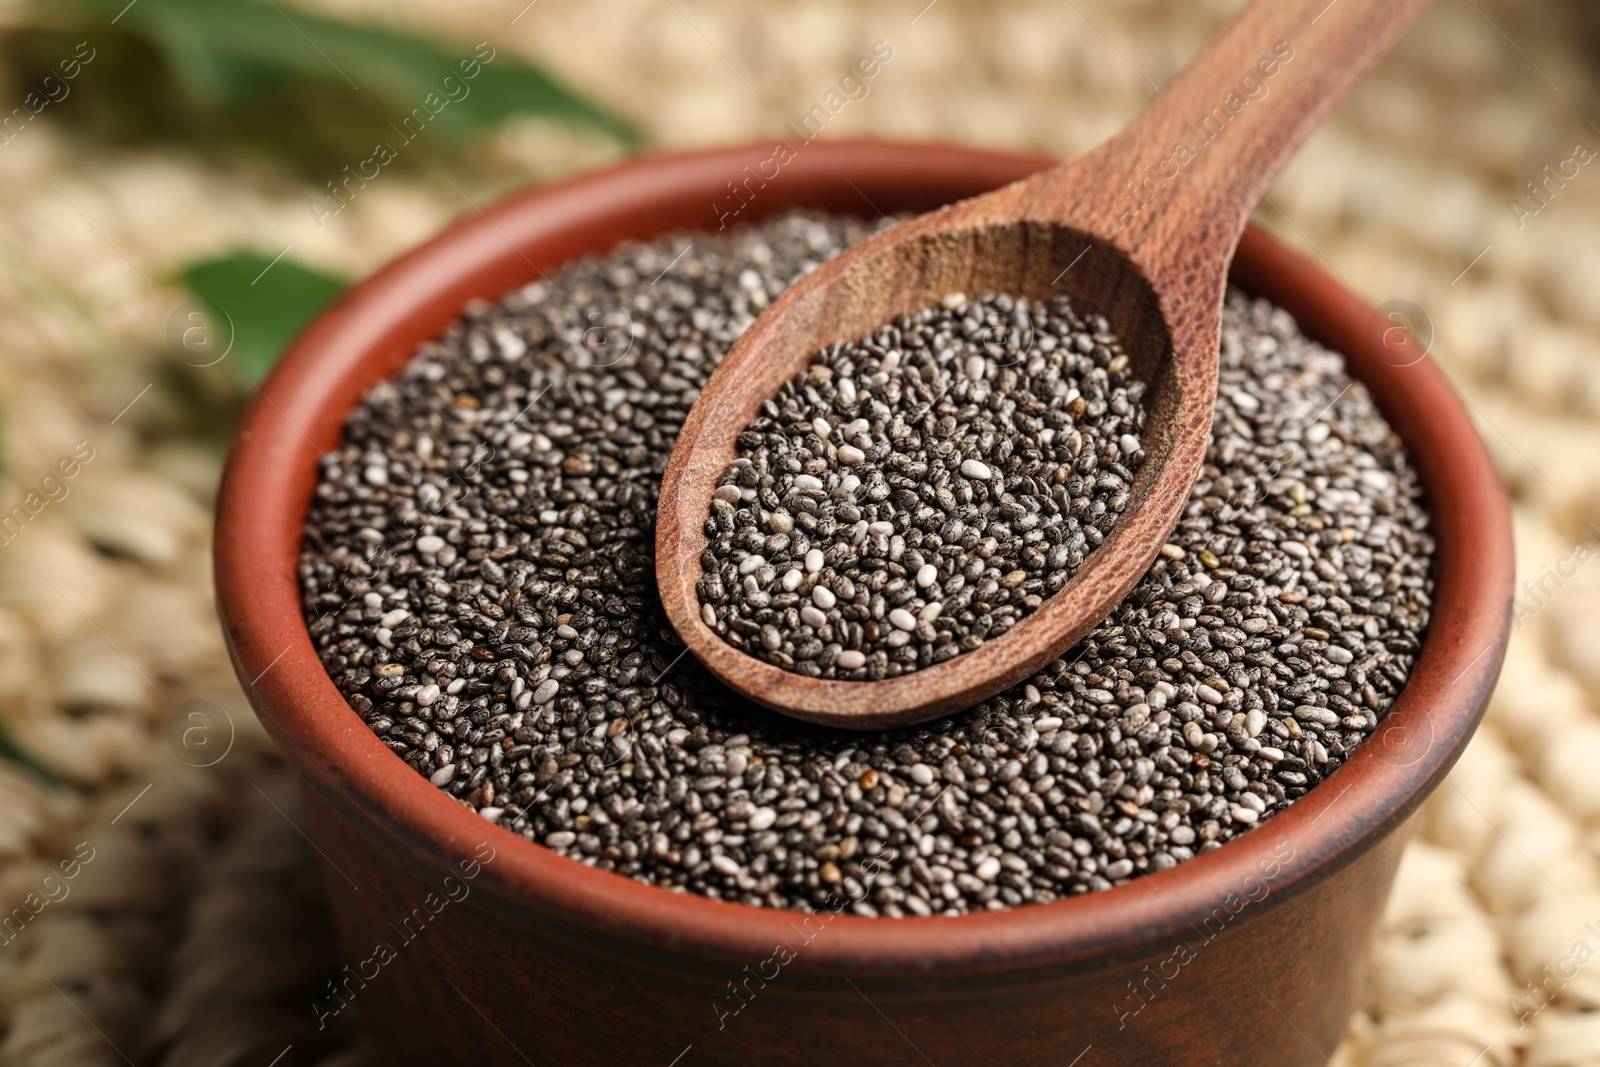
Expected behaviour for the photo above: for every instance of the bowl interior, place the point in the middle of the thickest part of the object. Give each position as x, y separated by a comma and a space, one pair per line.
376, 327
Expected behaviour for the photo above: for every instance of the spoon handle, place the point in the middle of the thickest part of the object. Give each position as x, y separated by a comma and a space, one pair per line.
1183, 179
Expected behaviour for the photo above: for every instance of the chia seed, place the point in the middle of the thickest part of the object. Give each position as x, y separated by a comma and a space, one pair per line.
478, 577
954, 469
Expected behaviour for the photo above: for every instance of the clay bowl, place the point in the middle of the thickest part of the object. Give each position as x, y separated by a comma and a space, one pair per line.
1250, 954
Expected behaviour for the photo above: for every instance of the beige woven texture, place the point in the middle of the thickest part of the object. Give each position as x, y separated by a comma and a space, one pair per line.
194, 935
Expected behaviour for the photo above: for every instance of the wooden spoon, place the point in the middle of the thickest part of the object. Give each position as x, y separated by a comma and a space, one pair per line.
1140, 230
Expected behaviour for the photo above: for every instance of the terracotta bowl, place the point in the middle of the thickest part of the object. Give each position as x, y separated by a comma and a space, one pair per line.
1250, 954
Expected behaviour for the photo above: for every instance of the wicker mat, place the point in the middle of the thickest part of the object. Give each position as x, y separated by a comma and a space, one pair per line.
193, 932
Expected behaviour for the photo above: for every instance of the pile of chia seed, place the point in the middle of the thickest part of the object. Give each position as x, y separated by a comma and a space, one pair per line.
478, 577
916, 492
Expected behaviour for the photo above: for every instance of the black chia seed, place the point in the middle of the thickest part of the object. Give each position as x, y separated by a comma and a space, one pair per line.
915, 493
478, 577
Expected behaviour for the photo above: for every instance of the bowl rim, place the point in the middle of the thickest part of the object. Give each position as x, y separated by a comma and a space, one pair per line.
374, 328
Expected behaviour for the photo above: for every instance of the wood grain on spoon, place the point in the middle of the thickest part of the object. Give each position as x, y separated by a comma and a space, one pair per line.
1159, 209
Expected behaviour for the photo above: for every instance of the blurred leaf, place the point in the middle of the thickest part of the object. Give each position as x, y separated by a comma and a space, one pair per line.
265, 303
12, 752
231, 51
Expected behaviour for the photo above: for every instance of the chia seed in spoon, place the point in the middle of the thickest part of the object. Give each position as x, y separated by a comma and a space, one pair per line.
918, 491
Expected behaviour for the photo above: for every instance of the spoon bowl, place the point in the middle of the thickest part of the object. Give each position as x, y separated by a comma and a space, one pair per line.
1140, 231
909, 266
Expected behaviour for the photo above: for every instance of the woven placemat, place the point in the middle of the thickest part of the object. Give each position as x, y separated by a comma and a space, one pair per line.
191, 931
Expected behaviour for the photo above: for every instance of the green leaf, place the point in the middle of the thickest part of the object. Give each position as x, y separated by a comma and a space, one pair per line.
227, 51
263, 305
15, 753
